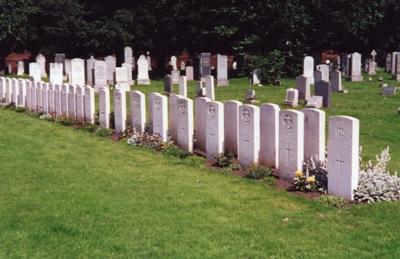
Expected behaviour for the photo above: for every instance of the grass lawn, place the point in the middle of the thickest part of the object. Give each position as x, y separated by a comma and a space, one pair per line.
67, 193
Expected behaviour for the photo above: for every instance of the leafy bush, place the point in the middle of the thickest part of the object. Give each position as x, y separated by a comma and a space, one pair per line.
175, 151
91, 128
304, 182
224, 160
333, 201
257, 171
20, 109
65, 120
103, 132
318, 169
152, 141
46, 117
271, 67
375, 182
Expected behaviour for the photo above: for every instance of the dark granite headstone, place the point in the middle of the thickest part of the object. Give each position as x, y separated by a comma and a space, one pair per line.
168, 86
205, 64
323, 88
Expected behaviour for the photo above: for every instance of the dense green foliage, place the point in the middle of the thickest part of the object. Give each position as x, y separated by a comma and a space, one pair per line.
293, 27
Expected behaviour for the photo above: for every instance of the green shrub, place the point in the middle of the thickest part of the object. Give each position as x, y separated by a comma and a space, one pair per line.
333, 201
257, 171
88, 127
224, 160
175, 151
271, 66
152, 141
20, 109
103, 132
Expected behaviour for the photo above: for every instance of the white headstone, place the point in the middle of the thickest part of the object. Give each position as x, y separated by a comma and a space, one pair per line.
173, 63
291, 143
231, 126
20, 68
121, 77
214, 129
189, 73
355, 68
79, 103
100, 74
173, 115
222, 70
292, 97
90, 70
343, 156
21, 93
185, 124
129, 72
45, 98
210, 93
67, 64
71, 102
314, 133
200, 106
337, 81
183, 86
111, 63
160, 115
175, 76
2, 88
120, 110
89, 105
128, 55
143, 71
104, 107
35, 72
308, 68
324, 68
56, 73
28, 94
50, 98
249, 134
57, 100
269, 134
38, 98
77, 72
138, 111
41, 60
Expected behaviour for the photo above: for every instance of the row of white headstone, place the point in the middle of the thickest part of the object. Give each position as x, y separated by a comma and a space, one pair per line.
266, 134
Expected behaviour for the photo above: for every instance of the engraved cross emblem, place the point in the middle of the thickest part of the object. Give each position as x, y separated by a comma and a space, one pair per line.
340, 162
288, 151
246, 141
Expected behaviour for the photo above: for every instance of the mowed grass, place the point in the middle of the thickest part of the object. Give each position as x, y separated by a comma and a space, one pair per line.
65, 193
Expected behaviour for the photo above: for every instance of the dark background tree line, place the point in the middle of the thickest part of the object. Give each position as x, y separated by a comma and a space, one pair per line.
290, 28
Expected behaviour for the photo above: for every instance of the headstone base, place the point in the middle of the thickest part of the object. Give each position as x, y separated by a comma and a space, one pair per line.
222, 82
143, 81
355, 78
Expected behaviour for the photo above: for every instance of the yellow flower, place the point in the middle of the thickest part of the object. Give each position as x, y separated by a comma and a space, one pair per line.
298, 173
311, 179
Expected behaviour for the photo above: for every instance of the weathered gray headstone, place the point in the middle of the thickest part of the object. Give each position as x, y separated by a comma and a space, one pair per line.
128, 55
315, 102
303, 86
205, 64
175, 76
214, 129
121, 78
168, 86
343, 156
314, 133
336, 83
292, 97
291, 143
129, 72
21, 93
173, 115
249, 134
393, 62
323, 88
269, 134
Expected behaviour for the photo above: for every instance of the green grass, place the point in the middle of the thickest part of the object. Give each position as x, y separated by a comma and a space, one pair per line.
65, 193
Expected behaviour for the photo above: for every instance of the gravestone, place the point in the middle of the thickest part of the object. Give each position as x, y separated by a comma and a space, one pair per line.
80, 103
355, 68
269, 134
59, 58
317, 76
21, 68
308, 68
129, 73
14, 91
22, 92
209, 82
77, 72
189, 73
104, 107
292, 97
27, 97
100, 74
175, 76
41, 60
38, 98
67, 68
222, 70
50, 98
214, 129
249, 134
250, 96
397, 68
173, 63
138, 111
168, 85
160, 115
89, 105
388, 64
324, 68
200, 89
183, 86
389, 90
143, 71
71, 102
205, 64
343, 156
315, 102
393, 62
314, 133
57, 100
183, 66
185, 124
336, 82
32, 96
111, 63
372, 65
128, 55
45, 98
8, 97
2, 88
200, 106
303, 87
56, 73
255, 77
35, 72
90, 70
231, 126
291, 143
120, 110
121, 78
323, 88
173, 115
